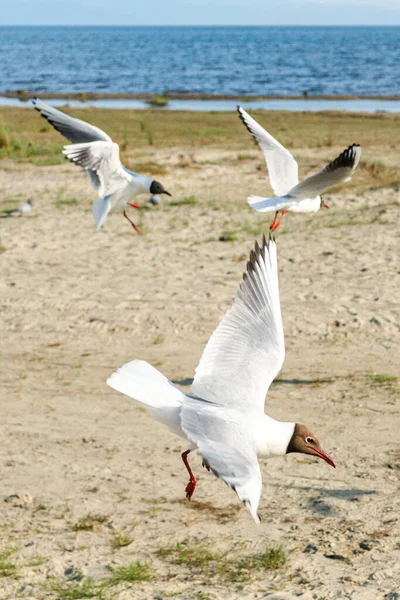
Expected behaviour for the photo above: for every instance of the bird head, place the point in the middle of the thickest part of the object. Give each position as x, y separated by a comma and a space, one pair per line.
157, 188
305, 441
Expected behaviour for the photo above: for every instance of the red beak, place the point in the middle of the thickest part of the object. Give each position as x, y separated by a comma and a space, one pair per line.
324, 456
324, 204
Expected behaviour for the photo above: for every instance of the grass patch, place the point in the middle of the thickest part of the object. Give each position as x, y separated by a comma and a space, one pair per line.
90, 523
62, 202
158, 100
7, 567
4, 138
228, 236
244, 156
72, 590
196, 557
256, 229
189, 201
134, 572
121, 540
31, 139
201, 560
383, 379
150, 167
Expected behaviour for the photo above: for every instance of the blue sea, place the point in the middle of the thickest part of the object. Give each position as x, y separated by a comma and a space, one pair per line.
212, 60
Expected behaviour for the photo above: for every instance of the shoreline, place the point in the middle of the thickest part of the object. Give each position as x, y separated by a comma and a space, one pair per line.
25, 95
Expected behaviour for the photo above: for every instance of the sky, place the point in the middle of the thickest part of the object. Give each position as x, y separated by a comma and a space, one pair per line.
200, 12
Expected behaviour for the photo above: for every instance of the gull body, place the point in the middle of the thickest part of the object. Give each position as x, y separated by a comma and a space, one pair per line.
23, 209
94, 150
223, 417
292, 195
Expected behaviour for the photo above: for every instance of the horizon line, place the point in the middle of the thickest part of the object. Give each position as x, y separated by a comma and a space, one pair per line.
194, 25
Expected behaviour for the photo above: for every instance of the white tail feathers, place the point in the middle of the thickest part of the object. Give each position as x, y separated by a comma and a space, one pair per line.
267, 204
100, 209
142, 382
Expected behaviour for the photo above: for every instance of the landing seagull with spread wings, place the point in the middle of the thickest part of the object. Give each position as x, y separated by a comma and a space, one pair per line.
93, 149
224, 416
292, 196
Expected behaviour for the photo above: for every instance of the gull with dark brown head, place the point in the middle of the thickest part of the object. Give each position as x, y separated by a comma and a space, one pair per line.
292, 196
94, 150
223, 418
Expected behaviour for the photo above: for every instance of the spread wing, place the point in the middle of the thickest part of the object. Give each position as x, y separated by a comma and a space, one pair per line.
282, 167
102, 158
246, 351
225, 445
338, 171
75, 130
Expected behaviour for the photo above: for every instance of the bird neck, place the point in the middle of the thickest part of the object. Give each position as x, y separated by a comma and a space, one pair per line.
142, 182
274, 437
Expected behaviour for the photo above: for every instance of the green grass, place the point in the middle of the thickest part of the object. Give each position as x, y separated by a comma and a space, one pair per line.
26, 136
158, 100
63, 202
4, 138
194, 556
89, 523
228, 236
189, 201
121, 540
200, 560
7, 567
383, 379
72, 590
134, 572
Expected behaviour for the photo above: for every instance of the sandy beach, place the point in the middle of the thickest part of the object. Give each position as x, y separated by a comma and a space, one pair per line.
91, 488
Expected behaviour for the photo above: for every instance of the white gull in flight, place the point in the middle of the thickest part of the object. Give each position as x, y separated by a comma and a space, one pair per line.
292, 196
224, 415
93, 149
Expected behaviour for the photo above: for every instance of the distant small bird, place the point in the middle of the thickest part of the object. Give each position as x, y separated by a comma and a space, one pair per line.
23, 209
93, 149
293, 196
224, 415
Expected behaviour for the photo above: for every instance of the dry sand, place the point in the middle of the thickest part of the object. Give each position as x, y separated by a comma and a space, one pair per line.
91, 471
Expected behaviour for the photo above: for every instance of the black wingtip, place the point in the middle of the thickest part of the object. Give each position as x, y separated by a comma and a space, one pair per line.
345, 160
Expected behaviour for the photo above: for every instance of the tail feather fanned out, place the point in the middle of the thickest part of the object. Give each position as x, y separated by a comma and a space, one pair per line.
142, 382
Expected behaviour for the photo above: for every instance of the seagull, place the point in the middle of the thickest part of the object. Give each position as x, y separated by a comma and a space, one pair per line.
93, 149
23, 209
292, 196
224, 415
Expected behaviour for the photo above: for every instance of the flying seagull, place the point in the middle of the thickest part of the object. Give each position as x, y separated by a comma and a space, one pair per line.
292, 196
224, 415
93, 149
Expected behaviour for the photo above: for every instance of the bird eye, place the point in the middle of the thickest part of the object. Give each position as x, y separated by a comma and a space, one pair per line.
309, 440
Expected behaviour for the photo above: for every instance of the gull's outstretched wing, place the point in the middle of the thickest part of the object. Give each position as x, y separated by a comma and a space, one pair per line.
338, 171
224, 442
246, 351
282, 167
101, 158
75, 130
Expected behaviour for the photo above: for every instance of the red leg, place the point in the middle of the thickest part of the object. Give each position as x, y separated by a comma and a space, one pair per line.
274, 226
131, 222
134, 205
191, 486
